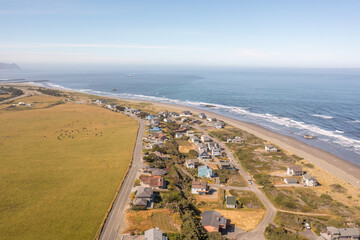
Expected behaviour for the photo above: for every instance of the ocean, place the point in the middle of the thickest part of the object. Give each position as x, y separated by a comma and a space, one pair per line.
324, 103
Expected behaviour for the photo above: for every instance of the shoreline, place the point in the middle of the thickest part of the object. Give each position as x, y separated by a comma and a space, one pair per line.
343, 169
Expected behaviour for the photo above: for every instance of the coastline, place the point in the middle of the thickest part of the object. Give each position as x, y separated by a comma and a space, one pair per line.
343, 169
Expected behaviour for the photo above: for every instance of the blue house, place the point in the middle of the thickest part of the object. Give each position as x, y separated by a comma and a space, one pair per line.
155, 129
149, 117
205, 171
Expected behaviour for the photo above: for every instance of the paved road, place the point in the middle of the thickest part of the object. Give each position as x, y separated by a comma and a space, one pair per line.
113, 224
258, 232
26, 94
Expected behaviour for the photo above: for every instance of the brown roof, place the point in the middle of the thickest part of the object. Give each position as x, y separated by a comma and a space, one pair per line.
155, 181
296, 168
199, 184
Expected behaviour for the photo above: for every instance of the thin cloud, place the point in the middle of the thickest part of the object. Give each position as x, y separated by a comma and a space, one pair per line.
90, 45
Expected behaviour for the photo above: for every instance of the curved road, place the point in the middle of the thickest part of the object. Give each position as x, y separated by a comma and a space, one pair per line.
112, 226
258, 232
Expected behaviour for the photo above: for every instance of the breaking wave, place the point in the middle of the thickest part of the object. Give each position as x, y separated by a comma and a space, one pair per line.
321, 116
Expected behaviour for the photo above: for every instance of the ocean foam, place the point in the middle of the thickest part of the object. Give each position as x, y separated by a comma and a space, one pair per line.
321, 116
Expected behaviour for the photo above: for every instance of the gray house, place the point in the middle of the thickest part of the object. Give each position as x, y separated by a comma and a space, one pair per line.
333, 233
230, 201
144, 197
155, 234
309, 180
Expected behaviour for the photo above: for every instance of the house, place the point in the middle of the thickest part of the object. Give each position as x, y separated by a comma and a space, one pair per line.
110, 106
174, 114
155, 129
100, 101
154, 181
186, 113
155, 234
333, 233
220, 125
213, 145
161, 136
205, 138
202, 147
195, 139
309, 180
191, 163
168, 120
202, 115
149, 117
230, 201
271, 148
226, 165
161, 155
216, 152
205, 171
21, 104
212, 221
204, 155
290, 180
199, 187
178, 135
144, 197
190, 133
211, 119
295, 170
237, 139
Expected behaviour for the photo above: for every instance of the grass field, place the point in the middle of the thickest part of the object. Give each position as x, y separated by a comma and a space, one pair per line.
60, 168
184, 146
138, 221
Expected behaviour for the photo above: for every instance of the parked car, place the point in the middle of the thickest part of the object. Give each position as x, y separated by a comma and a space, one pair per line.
307, 226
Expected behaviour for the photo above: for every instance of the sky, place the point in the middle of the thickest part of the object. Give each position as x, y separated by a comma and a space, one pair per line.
207, 33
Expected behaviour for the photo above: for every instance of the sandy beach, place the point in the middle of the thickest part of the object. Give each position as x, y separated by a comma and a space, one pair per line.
335, 165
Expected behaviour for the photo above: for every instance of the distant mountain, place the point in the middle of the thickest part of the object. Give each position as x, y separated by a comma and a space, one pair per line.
9, 66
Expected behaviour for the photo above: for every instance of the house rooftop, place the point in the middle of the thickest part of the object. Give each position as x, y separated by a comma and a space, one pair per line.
230, 200
296, 168
154, 234
344, 232
308, 177
291, 180
144, 192
198, 184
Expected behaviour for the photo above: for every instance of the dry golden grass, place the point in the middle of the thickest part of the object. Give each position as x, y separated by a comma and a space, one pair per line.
245, 219
164, 219
207, 198
185, 146
60, 169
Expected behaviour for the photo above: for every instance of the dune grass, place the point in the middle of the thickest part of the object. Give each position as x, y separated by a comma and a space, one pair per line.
60, 168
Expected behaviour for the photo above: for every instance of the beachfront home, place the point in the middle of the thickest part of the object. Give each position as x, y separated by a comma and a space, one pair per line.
333, 233
202, 147
205, 171
100, 101
230, 201
178, 135
212, 221
154, 181
271, 148
157, 172
205, 138
211, 119
202, 115
199, 187
237, 139
204, 155
309, 180
195, 140
294, 170
174, 114
186, 113
191, 163
144, 197
290, 180
216, 152
220, 125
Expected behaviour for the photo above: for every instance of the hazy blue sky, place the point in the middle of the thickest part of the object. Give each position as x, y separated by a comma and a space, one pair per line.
198, 32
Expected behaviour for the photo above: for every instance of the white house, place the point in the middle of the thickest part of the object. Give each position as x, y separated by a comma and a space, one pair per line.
178, 135
199, 187
211, 119
216, 152
195, 139
309, 180
271, 148
191, 163
202, 115
295, 170
205, 138
190, 133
